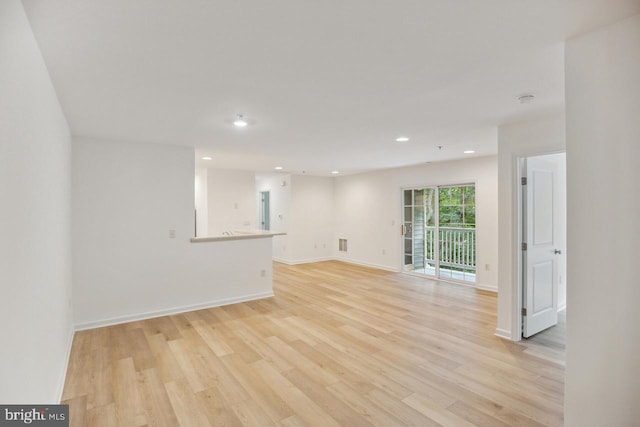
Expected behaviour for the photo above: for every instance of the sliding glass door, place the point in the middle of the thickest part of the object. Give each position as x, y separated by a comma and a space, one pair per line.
439, 232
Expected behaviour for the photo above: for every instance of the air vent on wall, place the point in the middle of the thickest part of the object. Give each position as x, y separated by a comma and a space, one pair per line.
342, 245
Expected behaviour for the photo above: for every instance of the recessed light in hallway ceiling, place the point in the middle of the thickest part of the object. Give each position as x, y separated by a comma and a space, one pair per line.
240, 121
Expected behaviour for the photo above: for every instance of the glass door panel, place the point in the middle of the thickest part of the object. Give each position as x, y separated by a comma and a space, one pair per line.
407, 226
439, 232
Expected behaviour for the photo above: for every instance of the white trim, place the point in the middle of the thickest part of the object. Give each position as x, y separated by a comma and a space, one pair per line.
169, 311
303, 261
63, 376
487, 288
562, 308
387, 268
368, 264
503, 333
461, 183
348, 261
516, 249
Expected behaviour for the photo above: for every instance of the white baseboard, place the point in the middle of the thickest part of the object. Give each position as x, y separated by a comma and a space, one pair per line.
302, 261
487, 288
170, 311
503, 333
63, 376
381, 267
368, 264
348, 261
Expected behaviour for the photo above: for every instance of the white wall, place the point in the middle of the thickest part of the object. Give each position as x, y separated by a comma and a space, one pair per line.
126, 199
368, 212
201, 203
279, 187
312, 219
540, 136
35, 201
231, 200
304, 209
602, 382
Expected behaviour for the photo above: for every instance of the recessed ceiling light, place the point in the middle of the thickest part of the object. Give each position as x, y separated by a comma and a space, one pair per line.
240, 121
469, 151
206, 158
335, 172
402, 139
278, 168
526, 98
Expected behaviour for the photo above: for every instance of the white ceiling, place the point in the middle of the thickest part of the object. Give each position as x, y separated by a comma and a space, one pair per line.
325, 84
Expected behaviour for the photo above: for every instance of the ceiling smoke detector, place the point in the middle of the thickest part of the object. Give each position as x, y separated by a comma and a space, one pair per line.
526, 98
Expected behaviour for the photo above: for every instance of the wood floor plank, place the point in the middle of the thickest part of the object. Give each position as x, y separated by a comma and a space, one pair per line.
435, 412
258, 389
338, 344
216, 408
305, 408
368, 410
155, 400
185, 405
340, 411
165, 362
474, 416
102, 416
77, 411
251, 415
127, 395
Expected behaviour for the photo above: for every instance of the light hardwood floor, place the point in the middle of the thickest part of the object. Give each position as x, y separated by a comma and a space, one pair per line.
550, 343
338, 345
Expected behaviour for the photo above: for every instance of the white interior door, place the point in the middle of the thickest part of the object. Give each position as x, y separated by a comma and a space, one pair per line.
541, 255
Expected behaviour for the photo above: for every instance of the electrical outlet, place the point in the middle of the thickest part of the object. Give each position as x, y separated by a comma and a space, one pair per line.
384, 252
263, 273
487, 267
172, 234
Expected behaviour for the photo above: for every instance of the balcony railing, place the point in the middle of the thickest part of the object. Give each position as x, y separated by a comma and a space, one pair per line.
457, 248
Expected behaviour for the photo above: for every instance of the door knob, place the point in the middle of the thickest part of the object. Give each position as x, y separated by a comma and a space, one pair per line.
557, 251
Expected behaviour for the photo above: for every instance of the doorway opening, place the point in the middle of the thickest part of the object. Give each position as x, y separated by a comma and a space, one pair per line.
265, 218
439, 232
542, 247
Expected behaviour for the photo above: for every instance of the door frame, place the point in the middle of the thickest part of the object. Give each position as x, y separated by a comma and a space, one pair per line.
264, 209
449, 183
516, 314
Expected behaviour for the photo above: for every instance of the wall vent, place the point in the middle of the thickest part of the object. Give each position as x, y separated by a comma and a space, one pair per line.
342, 245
